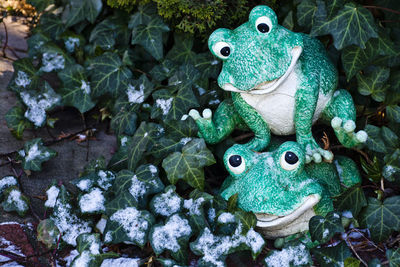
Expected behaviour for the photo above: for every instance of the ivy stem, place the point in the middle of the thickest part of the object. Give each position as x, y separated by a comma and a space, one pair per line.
355, 252
383, 8
6, 41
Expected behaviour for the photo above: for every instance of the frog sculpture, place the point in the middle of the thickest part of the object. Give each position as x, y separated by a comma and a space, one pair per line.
283, 191
281, 82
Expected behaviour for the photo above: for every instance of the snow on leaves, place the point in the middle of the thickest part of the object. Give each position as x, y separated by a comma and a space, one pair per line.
35, 154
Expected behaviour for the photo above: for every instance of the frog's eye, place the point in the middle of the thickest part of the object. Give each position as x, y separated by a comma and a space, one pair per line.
264, 24
289, 161
236, 164
222, 50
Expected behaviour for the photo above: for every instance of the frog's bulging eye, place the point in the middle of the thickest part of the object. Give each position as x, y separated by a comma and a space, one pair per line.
264, 24
236, 164
222, 49
289, 161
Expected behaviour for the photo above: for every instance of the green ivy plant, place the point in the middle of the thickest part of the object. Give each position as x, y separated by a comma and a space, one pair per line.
157, 193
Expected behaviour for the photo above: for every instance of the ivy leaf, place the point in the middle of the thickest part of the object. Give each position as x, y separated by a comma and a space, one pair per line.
124, 122
164, 70
149, 36
119, 160
182, 51
381, 218
109, 75
128, 225
373, 83
140, 184
14, 200
290, 255
181, 128
188, 164
182, 103
332, 7
35, 43
332, 256
393, 113
40, 5
144, 15
48, 233
393, 257
353, 199
104, 34
89, 242
66, 220
185, 77
208, 65
305, 13
164, 146
77, 11
172, 236
24, 77
138, 145
323, 229
195, 209
76, 91
375, 141
248, 219
16, 121
51, 25
35, 154
351, 262
352, 25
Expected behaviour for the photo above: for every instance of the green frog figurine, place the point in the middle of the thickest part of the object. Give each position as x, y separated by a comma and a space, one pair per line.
283, 191
281, 82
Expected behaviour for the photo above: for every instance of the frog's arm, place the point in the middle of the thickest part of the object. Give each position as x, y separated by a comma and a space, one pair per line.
255, 122
215, 128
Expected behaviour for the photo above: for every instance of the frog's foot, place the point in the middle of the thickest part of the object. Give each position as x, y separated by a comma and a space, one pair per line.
345, 132
314, 152
204, 123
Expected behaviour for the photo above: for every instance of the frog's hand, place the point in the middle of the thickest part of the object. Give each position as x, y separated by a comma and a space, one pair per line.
215, 128
312, 150
347, 171
255, 122
341, 113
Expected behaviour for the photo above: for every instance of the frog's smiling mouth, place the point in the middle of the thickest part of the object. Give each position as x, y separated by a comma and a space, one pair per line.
269, 86
273, 225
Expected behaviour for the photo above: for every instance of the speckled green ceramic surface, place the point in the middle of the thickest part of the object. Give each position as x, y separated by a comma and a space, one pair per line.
281, 189
281, 82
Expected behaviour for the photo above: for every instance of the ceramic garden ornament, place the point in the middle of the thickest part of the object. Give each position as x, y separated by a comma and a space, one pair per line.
281, 82
283, 191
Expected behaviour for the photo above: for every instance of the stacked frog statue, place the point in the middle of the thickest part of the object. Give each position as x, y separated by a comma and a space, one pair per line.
281, 83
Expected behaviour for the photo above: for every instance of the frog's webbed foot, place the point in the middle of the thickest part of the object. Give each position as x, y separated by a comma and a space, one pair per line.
345, 132
203, 122
314, 152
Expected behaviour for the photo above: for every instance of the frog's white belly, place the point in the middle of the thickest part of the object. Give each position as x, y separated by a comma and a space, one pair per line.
278, 107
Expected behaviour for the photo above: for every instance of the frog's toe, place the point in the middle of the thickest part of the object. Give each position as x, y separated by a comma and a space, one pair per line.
194, 114
328, 155
362, 136
336, 122
349, 126
308, 159
207, 113
317, 157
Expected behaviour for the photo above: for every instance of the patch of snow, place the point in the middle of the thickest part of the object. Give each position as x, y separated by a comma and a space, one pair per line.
164, 105
72, 255
85, 87
101, 225
226, 217
134, 225
34, 153
214, 62
22, 79
121, 262
137, 188
37, 105
215, 247
71, 43
82, 260
214, 102
339, 170
92, 201
52, 61
85, 184
193, 206
211, 214
290, 256
167, 203
52, 194
105, 179
347, 214
153, 169
325, 233
14, 198
94, 246
7, 181
166, 237
135, 96
185, 140
124, 140
68, 223
184, 117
